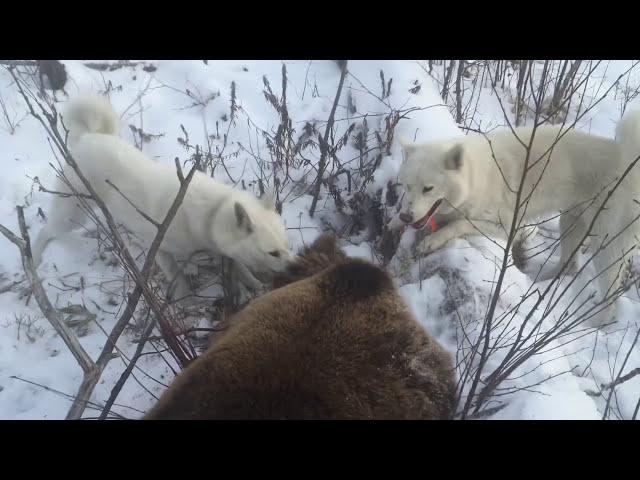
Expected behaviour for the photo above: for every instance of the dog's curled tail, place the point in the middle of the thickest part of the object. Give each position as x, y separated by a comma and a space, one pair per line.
90, 114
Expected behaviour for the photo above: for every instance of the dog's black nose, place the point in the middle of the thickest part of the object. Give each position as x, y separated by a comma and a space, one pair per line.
406, 218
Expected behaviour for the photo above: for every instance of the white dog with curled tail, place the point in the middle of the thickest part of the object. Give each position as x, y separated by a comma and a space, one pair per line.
477, 177
213, 217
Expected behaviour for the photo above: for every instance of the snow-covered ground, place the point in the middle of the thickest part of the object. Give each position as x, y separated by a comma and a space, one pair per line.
179, 98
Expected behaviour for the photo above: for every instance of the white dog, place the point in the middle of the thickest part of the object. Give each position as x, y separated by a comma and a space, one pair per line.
476, 179
213, 216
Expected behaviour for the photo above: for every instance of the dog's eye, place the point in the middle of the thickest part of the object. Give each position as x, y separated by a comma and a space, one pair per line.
427, 189
275, 253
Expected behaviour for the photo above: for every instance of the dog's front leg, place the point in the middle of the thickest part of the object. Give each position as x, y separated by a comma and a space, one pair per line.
247, 278
441, 237
178, 284
457, 229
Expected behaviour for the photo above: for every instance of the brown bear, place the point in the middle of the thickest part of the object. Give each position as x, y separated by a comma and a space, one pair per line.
335, 342
323, 253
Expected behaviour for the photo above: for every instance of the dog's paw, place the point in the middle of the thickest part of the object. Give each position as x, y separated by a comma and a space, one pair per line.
253, 284
432, 243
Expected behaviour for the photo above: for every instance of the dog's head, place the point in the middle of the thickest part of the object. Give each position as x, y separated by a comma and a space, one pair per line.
252, 232
322, 253
435, 178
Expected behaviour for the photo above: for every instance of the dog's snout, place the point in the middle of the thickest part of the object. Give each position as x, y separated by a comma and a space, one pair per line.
406, 217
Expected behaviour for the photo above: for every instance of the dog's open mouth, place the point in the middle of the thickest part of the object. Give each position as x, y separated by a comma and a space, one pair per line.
420, 224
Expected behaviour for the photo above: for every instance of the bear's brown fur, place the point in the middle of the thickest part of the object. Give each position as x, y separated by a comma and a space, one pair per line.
339, 344
323, 253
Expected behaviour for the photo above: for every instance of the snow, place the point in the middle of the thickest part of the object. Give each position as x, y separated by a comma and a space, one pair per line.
449, 285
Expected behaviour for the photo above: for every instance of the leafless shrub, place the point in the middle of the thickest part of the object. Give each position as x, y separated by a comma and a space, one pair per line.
11, 119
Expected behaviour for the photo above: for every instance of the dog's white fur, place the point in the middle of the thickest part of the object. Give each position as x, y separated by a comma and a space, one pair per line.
213, 216
478, 178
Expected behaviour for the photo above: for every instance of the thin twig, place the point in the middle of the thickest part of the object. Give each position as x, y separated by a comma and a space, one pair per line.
324, 146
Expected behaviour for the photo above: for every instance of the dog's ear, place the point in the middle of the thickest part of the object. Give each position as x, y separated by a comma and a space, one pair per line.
242, 218
268, 199
453, 158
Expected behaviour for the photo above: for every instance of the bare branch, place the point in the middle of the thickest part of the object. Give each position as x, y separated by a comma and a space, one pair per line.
324, 146
48, 310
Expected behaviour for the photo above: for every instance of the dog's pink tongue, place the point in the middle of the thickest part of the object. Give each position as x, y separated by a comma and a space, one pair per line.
429, 221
